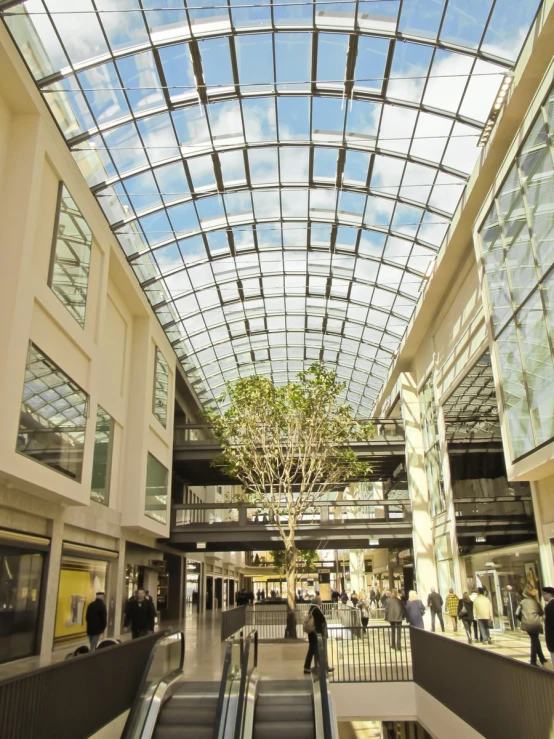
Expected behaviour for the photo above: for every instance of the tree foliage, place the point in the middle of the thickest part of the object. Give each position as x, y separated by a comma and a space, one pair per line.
289, 446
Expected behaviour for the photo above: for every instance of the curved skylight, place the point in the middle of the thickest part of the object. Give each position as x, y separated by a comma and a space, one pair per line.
280, 175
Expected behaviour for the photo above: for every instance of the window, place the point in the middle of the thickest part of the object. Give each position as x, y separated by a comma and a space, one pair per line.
516, 241
431, 448
69, 269
161, 376
53, 416
156, 490
102, 460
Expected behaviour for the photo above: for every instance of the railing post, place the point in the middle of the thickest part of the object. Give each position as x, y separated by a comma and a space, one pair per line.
243, 515
324, 513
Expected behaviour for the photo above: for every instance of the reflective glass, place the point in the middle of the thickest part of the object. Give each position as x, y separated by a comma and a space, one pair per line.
102, 457
155, 504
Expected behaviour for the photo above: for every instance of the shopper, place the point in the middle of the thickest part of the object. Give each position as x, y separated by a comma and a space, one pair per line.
315, 624
354, 598
435, 602
476, 633
365, 606
344, 597
530, 612
512, 602
394, 614
451, 606
415, 610
377, 597
548, 595
317, 599
372, 597
465, 614
482, 612
97, 620
140, 615
384, 599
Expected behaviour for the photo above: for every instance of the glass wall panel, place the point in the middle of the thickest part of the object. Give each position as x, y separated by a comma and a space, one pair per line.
156, 490
516, 240
20, 591
53, 416
69, 269
102, 459
80, 580
161, 376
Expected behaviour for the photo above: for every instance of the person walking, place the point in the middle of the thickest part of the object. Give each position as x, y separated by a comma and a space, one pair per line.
344, 597
531, 613
384, 599
435, 603
465, 614
354, 598
365, 606
372, 597
415, 610
140, 615
476, 634
314, 624
97, 620
451, 606
548, 595
394, 614
482, 612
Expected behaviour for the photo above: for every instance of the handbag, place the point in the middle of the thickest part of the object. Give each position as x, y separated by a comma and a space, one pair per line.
309, 624
463, 611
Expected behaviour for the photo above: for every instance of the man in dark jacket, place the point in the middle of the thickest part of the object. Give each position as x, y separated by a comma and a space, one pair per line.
320, 624
434, 601
97, 619
140, 615
394, 614
548, 595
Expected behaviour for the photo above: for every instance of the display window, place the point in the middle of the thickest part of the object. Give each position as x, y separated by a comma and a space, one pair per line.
80, 580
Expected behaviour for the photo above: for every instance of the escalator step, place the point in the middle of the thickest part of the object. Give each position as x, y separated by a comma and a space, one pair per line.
268, 712
184, 731
284, 730
186, 714
190, 688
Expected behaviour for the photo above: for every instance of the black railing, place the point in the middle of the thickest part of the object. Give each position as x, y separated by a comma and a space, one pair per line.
323, 689
367, 655
505, 507
248, 663
224, 684
76, 698
498, 696
271, 621
232, 621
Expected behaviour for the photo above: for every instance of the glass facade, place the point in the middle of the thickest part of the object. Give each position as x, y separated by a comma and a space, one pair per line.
20, 593
70, 265
156, 490
53, 416
102, 459
270, 224
445, 564
431, 447
161, 379
516, 241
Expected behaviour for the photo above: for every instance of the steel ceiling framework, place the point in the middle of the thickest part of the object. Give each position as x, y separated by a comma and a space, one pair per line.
279, 175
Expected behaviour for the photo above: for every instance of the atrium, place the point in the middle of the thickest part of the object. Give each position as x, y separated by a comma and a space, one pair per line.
194, 192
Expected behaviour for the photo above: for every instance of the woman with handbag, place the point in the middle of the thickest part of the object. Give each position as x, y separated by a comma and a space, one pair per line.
530, 612
465, 614
415, 610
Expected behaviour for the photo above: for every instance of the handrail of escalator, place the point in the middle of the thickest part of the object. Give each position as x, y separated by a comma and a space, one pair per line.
227, 666
162, 669
245, 675
326, 717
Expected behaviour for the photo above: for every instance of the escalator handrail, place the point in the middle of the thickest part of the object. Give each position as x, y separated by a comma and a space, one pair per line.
324, 690
140, 696
222, 688
245, 652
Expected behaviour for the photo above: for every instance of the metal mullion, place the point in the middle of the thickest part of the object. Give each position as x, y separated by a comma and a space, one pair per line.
486, 28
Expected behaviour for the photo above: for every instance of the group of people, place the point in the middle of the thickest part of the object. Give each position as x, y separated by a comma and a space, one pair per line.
140, 615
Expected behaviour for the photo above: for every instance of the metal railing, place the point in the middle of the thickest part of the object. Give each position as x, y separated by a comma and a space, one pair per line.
77, 697
366, 655
498, 696
326, 513
248, 663
505, 507
232, 620
271, 621
321, 693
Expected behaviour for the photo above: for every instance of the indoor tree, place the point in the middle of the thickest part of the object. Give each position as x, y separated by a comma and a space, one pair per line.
289, 446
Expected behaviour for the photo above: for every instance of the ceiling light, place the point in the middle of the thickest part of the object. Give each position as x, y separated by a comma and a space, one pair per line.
374, 542
495, 110
480, 539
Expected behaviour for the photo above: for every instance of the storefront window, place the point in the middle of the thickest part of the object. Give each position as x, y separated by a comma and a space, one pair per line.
431, 444
80, 580
516, 240
161, 376
156, 490
20, 589
71, 249
53, 416
102, 460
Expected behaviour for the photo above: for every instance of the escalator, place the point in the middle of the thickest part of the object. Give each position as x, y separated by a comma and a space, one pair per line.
240, 706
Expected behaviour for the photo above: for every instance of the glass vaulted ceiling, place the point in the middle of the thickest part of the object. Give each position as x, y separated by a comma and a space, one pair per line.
279, 174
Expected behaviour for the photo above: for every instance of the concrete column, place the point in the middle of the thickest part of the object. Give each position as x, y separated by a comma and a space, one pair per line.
422, 532
117, 591
543, 506
357, 570
52, 580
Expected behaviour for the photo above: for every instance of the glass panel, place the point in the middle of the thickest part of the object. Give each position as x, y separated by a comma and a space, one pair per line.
102, 458
156, 490
70, 266
161, 390
53, 416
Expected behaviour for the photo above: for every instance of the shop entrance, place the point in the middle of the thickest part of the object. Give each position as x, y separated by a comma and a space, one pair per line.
488, 579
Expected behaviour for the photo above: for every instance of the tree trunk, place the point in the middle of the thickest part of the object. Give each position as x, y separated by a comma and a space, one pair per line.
290, 565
